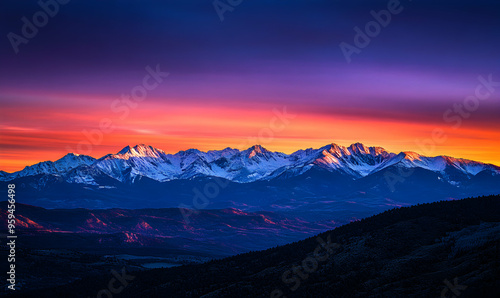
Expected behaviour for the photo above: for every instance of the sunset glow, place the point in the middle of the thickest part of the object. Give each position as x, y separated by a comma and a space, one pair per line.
224, 81
55, 131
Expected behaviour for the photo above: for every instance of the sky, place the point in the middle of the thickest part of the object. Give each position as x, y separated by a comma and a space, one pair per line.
258, 72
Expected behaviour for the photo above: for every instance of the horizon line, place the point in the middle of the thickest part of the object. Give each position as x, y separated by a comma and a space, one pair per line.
255, 145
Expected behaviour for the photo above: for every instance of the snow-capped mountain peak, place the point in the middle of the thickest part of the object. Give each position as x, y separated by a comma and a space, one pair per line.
140, 150
74, 160
359, 149
336, 150
410, 155
61, 166
256, 150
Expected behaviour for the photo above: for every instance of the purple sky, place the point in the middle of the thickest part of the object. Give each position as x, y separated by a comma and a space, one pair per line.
264, 54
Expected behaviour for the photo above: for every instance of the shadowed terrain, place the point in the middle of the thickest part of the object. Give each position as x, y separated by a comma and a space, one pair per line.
420, 251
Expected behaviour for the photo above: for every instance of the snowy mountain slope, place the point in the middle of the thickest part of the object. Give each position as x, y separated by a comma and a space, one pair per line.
450, 168
139, 160
242, 166
355, 161
253, 164
59, 167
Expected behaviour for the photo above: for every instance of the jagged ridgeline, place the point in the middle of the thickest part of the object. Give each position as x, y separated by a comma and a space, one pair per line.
253, 164
255, 176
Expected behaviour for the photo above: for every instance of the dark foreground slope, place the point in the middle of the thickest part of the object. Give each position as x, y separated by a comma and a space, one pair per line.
432, 250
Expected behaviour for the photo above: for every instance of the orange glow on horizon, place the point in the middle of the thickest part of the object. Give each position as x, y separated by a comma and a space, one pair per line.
51, 135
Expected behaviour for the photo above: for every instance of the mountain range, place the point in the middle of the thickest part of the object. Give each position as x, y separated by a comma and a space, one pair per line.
250, 165
350, 182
